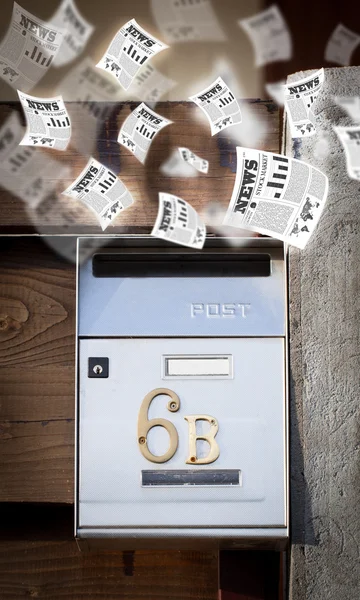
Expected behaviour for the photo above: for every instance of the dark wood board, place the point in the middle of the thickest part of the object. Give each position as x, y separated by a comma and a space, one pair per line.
59, 214
37, 356
56, 570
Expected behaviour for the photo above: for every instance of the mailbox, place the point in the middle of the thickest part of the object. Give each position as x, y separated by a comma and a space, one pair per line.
181, 394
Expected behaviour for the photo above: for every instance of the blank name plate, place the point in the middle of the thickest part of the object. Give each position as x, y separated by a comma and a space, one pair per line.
198, 366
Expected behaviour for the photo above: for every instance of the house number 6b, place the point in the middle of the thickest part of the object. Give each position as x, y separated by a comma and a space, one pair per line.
144, 426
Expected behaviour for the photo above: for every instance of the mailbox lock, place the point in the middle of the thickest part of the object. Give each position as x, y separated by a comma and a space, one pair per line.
98, 367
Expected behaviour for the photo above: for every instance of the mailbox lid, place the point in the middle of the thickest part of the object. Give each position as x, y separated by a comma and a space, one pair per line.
219, 291
248, 400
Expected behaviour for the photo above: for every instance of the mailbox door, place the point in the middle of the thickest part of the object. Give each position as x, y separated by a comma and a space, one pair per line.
231, 392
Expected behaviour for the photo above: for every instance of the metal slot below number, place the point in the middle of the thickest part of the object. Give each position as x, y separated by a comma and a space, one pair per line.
185, 477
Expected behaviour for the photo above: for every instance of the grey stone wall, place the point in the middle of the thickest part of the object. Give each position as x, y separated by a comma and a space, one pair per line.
325, 371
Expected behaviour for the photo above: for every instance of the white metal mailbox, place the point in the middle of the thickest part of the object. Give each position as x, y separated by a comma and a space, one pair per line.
181, 394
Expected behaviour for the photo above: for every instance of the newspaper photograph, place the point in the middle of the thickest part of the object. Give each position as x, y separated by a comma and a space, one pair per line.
276, 91
175, 166
129, 50
340, 46
269, 35
219, 104
150, 85
200, 164
77, 31
187, 21
178, 222
47, 120
277, 196
101, 191
28, 49
27, 173
299, 100
139, 129
350, 104
350, 139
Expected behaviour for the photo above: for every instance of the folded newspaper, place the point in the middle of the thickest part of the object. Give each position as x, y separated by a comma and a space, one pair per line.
269, 35
300, 96
187, 21
97, 92
200, 164
101, 191
129, 50
77, 32
277, 196
350, 139
139, 129
350, 104
219, 105
149, 84
28, 173
178, 222
341, 45
85, 83
28, 49
48, 122
175, 166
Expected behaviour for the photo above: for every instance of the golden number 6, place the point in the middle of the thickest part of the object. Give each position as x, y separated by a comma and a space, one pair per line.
144, 425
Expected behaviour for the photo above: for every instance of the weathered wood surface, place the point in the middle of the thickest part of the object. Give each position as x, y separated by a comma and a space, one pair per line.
39, 559
37, 354
189, 129
56, 570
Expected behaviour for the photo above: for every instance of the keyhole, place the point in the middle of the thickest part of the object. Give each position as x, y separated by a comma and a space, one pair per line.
98, 369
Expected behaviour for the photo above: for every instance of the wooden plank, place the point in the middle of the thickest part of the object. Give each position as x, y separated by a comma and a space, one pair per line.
59, 214
56, 570
37, 353
40, 559
249, 575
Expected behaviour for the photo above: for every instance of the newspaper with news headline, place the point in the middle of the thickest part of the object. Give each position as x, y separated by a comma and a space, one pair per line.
219, 104
139, 129
100, 190
28, 49
48, 122
277, 196
178, 222
300, 96
128, 51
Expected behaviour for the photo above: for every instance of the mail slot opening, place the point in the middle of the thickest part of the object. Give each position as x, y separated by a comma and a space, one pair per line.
154, 264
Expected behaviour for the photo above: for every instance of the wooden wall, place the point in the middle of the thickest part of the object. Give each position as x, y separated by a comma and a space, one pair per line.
38, 556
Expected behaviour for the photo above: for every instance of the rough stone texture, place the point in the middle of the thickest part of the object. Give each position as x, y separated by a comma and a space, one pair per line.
325, 371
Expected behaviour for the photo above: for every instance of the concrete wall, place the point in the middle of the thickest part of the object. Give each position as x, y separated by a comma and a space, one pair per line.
325, 371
